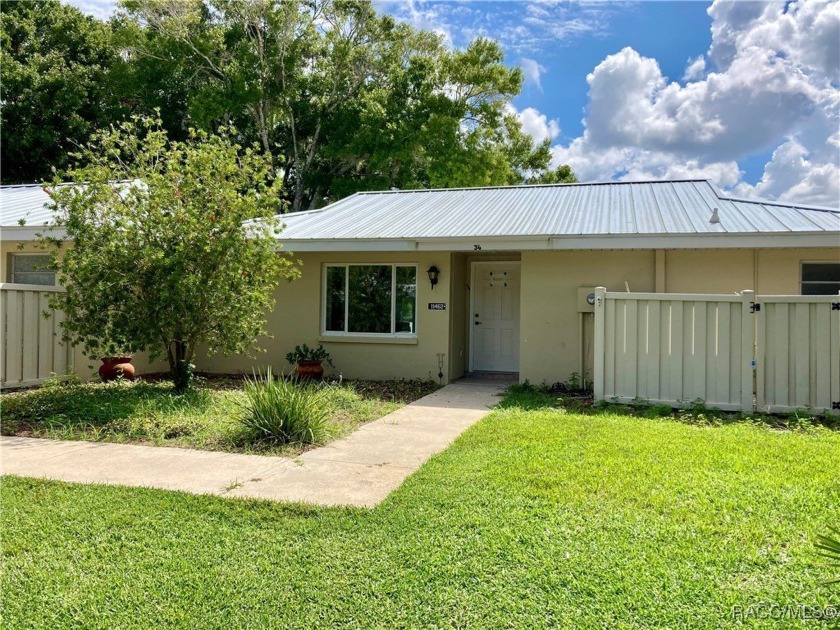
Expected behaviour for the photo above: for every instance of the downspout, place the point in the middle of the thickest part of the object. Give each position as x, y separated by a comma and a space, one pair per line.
659, 266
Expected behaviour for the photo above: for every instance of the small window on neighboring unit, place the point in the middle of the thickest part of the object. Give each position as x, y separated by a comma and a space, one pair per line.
32, 269
820, 278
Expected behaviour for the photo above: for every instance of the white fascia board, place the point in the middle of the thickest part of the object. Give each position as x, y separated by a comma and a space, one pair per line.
484, 244
29, 233
571, 242
337, 245
698, 241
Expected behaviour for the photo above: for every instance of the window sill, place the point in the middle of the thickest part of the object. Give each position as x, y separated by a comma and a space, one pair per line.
409, 341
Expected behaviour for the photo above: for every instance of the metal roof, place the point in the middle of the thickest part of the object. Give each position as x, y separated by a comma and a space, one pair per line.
597, 215
27, 203
616, 208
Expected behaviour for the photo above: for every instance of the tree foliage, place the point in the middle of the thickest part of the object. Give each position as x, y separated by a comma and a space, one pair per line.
341, 98
54, 91
161, 261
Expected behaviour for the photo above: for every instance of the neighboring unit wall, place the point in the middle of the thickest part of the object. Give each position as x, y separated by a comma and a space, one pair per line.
7, 248
779, 269
551, 342
297, 320
708, 270
84, 367
766, 271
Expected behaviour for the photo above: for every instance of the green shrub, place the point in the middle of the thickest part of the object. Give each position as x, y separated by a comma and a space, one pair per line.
829, 547
285, 410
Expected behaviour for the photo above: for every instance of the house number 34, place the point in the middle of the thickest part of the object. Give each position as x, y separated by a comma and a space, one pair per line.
477, 248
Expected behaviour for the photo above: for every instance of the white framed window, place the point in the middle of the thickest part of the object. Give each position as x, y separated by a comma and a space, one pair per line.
369, 299
31, 269
820, 278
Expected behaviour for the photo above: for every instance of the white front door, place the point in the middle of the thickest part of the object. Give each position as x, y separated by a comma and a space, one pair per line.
494, 319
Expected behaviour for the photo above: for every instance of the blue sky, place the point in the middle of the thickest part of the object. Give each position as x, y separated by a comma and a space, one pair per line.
746, 94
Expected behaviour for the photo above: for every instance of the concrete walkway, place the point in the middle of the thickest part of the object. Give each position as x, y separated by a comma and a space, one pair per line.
360, 470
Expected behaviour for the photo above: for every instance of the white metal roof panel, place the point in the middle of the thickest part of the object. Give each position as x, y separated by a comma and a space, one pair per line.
27, 203
619, 208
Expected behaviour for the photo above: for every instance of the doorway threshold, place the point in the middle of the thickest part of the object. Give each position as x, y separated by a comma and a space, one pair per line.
480, 375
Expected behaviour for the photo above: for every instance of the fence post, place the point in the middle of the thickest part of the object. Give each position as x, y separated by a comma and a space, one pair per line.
748, 393
600, 328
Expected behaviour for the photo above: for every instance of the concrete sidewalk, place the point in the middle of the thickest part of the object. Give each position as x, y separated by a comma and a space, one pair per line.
359, 470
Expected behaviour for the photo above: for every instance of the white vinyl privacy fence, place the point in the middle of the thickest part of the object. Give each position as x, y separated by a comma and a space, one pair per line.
734, 352
31, 347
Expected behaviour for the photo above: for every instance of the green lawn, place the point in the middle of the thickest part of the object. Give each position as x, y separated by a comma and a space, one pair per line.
534, 518
203, 418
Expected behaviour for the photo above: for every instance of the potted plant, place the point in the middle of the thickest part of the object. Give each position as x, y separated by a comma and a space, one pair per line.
308, 361
116, 366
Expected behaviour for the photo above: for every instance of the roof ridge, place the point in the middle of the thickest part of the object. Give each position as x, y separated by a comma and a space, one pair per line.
521, 186
782, 204
717, 192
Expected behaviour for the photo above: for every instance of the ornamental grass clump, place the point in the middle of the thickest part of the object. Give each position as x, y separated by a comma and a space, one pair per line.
285, 409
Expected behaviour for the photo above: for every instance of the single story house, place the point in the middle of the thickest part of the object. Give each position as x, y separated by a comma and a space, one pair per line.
422, 283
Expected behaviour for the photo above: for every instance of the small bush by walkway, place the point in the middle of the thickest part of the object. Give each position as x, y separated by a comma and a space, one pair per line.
206, 417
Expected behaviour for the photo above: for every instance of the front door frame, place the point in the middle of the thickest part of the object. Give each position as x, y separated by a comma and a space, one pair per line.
471, 313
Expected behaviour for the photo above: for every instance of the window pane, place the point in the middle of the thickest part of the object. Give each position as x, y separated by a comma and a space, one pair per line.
335, 298
34, 277
825, 272
406, 300
31, 263
370, 299
820, 288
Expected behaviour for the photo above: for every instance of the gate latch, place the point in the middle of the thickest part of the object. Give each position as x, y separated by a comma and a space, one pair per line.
755, 307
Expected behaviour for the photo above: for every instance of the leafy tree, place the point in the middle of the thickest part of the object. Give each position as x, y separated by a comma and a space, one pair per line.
55, 89
560, 175
161, 261
341, 98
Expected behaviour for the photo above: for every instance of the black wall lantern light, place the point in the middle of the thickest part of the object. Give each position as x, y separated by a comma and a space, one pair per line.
434, 274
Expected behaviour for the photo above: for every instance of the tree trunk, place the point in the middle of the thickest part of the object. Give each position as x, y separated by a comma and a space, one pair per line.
180, 370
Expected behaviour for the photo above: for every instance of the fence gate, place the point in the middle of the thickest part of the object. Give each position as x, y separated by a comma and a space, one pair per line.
31, 344
734, 352
797, 352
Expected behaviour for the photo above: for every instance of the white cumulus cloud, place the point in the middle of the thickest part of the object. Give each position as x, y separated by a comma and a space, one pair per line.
533, 71
696, 69
772, 84
536, 124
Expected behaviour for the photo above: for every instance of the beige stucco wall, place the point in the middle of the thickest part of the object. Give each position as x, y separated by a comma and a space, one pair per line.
778, 270
768, 271
297, 320
551, 339
458, 315
552, 343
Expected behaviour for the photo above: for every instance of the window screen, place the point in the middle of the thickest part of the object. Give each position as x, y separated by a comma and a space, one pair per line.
32, 269
820, 278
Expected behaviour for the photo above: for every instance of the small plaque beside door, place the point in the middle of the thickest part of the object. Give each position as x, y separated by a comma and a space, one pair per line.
437, 306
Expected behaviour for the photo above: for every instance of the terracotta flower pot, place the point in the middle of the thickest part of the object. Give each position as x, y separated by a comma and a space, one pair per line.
114, 367
312, 370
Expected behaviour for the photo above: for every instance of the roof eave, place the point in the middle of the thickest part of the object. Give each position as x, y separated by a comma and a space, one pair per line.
570, 242
29, 232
